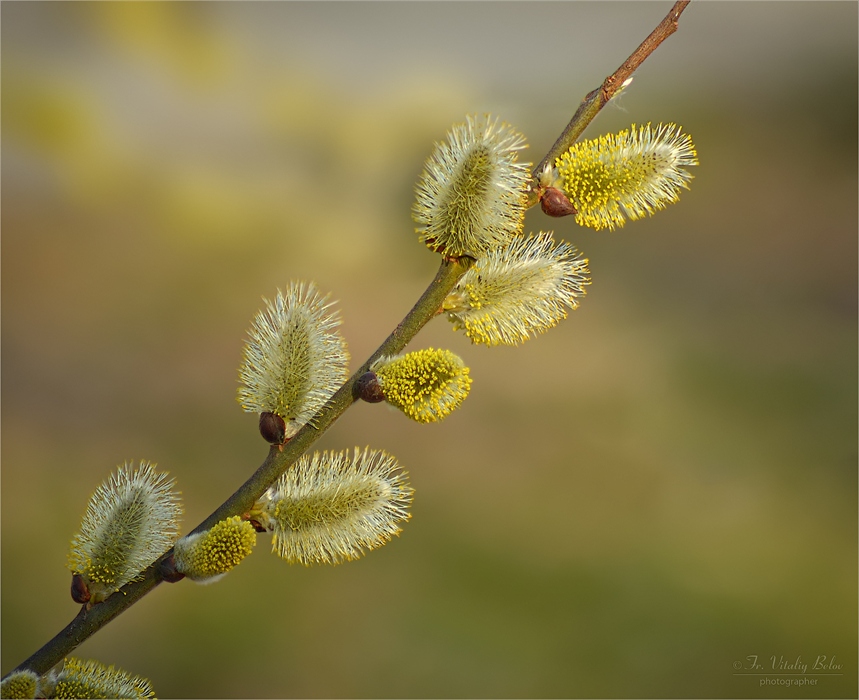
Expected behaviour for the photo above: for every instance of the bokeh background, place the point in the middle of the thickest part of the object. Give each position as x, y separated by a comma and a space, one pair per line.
627, 506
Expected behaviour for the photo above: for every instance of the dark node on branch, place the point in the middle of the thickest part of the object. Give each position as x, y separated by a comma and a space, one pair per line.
272, 428
80, 590
368, 389
553, 202
168, 571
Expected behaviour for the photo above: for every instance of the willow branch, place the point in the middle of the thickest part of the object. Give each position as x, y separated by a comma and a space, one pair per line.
280, 457
597, 99
88, 621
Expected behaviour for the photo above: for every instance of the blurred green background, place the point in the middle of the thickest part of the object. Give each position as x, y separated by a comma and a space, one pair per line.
628, 505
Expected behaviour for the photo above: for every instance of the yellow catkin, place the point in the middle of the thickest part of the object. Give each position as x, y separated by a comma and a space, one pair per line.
631, 174
215, 551
20, 684
426, 385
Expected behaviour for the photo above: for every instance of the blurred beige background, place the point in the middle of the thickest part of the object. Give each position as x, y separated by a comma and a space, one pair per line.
627, 506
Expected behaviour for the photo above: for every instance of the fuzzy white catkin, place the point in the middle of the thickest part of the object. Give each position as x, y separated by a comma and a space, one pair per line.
294, 358
516, 292
470, 197
332, 506
131, 519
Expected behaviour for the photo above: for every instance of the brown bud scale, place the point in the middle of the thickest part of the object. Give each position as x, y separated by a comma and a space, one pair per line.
272, 428
256, 525
168, 571
553, 202
368, 388
80, 590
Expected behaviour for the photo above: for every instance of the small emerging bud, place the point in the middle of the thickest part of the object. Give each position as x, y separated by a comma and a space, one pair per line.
426, 385
130, 520
471, 195
516, 292
330, 507
207, 556
623, 86
627, 175
294, 360
91, 679
20, 684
